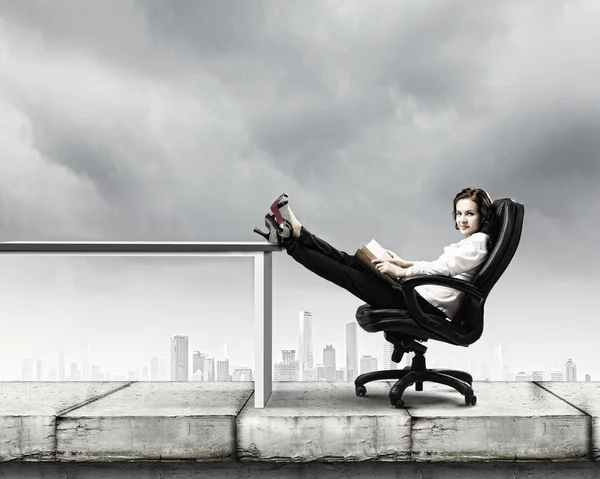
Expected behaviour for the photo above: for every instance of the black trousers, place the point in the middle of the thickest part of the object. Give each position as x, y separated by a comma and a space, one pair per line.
342, 269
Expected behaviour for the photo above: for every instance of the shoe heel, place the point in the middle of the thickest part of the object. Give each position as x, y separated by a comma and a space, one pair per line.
273, 234
264, 235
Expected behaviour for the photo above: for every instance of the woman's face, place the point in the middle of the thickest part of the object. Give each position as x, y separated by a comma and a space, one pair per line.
467, 217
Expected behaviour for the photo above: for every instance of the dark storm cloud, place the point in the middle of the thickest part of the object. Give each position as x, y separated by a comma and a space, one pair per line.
313, 97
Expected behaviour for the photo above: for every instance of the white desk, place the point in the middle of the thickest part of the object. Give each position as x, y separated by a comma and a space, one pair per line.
263, 282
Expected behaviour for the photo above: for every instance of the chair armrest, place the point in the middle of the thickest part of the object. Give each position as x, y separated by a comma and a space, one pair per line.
439, 325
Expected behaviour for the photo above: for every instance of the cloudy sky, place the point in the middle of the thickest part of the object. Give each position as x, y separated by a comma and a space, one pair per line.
182, 121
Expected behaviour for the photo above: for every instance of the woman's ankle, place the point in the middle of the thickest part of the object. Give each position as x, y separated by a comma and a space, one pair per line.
296, 230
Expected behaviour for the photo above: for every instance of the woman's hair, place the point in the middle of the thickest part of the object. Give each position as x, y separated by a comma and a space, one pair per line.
484, 206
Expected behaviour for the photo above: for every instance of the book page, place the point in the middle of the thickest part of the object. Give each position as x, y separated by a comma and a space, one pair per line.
375, 248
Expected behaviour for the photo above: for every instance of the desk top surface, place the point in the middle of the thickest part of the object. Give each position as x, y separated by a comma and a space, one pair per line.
147, 247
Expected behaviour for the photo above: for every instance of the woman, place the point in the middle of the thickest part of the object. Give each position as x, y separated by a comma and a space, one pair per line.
473, 215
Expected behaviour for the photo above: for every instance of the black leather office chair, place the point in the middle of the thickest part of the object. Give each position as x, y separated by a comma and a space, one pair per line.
408, 329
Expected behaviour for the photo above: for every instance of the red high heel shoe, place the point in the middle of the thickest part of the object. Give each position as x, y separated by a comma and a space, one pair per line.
280, 210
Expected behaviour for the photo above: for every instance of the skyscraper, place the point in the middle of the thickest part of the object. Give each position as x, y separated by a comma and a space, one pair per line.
209, 369
388, 349
498, 363
570, 371
198, 362
87, 362
329, 362
179, 358
39, 369
408, 357
305, 340
223, 370
154, 369
288, 369
27, 373
61, 365
367, 364
351, 352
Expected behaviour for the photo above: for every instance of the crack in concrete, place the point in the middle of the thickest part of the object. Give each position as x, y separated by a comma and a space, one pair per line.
590, 432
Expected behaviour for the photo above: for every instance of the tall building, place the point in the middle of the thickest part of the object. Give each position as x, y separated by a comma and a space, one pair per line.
154, 369
288, 369
588, 378
329, 362
209, 369
351, 352
485, 372
198, 362
570, 371
556, 375
39, 370
61, 365
498, 366
27, 373
95, 374
388, 350
367, 364
223, 370
224, 351
75, 374
408, 357
305, 340
87, 362
179, 358
242, 374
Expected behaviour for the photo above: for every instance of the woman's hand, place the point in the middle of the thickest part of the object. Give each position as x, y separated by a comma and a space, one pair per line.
389, 268
396, 259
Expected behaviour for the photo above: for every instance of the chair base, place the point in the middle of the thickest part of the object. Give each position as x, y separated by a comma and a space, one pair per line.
417, 375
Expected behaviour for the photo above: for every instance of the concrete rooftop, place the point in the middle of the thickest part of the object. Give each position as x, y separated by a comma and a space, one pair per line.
112, 422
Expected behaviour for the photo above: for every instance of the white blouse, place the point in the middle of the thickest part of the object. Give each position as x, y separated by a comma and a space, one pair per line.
461, 260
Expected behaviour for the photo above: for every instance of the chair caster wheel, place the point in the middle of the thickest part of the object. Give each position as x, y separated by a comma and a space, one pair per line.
361, 390
399, 404
471, 399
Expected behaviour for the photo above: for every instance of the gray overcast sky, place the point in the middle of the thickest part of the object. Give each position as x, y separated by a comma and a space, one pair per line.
155, 120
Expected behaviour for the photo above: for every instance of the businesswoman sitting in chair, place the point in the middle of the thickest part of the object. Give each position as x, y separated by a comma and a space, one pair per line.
473, 215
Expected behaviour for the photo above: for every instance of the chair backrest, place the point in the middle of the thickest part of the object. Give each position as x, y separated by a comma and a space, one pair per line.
506, 235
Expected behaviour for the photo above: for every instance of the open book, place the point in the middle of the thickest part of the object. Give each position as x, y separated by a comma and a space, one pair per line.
365, 254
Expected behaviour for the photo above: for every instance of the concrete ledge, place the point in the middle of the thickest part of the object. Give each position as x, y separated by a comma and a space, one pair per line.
155, 421
586, 398
303, 422
511, 421
28, 412
324, 422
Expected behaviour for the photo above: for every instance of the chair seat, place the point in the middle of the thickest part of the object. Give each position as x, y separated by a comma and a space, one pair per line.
397, 320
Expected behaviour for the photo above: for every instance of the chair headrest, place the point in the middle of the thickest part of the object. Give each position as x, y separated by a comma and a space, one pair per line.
506, 235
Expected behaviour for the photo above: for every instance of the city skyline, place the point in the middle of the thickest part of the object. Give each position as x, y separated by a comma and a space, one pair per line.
184, 364
124, 120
